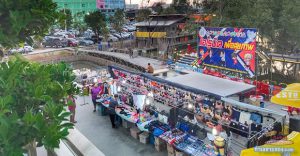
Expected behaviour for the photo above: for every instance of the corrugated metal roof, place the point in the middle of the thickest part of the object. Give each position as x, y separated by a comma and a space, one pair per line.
157, 22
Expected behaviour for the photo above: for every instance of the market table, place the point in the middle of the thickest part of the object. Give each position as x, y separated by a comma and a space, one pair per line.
130, 115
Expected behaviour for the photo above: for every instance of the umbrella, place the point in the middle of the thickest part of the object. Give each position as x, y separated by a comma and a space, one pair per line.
290, 96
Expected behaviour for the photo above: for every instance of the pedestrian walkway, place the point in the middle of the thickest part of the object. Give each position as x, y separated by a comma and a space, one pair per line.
141, 61
112, 142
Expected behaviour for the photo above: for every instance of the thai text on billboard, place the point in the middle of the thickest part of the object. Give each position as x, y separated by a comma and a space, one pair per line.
228, 48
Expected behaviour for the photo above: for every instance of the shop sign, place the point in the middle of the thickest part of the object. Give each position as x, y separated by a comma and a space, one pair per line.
283, 151
291, 95
232, 48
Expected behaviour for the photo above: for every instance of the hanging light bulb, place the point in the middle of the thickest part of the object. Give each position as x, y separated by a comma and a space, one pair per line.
147, 101
150, 94
190, 106
119, 89
95, 80
214, 131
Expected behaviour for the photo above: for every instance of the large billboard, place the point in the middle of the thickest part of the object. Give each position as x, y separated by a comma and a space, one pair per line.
228, 48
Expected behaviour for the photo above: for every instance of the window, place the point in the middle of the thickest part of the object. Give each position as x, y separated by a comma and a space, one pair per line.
101, 6
82, 5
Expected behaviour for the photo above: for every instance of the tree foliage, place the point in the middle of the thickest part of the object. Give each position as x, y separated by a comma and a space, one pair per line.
143, 14
95, 20
65, 19
32, 106
78, 22
117, 22
22, 19
277, 21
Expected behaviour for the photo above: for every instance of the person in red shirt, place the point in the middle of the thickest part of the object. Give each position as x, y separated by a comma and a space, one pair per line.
71, 106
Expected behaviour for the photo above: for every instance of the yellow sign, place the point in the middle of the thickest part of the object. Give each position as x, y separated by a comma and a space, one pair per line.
151, 34
290, 96
288, 147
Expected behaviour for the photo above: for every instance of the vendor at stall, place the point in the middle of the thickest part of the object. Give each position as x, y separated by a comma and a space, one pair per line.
111, 110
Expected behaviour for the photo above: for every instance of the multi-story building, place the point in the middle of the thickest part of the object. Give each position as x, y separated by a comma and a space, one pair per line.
77, 6
108, 7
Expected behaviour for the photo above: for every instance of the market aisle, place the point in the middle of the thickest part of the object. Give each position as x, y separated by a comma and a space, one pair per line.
112, 142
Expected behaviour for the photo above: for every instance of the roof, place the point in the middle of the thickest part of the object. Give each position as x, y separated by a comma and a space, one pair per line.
158, 22
211, 84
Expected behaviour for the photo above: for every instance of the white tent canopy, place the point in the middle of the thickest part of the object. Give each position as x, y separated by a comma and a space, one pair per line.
211, 84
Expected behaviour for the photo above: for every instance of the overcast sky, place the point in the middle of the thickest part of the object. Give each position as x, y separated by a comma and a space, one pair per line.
139, 2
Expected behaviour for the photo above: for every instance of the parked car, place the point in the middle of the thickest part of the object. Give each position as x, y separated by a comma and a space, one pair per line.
25, 49
55, 42
94, 38
112, 38
85, 42
72, 42
125, 35
117, 35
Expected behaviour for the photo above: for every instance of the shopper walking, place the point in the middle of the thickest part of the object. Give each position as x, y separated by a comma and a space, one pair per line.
71, 106
111, 110
95, 91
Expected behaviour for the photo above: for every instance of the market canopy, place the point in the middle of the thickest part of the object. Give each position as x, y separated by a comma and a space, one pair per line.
290, 96
215, 85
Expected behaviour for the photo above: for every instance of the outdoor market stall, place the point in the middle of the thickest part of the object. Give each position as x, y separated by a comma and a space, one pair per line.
209, 111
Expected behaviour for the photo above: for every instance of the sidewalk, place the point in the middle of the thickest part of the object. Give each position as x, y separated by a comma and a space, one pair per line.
112, 142
141, 61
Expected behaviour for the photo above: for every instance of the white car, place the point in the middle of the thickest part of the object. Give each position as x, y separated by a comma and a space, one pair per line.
112, 38
25, 49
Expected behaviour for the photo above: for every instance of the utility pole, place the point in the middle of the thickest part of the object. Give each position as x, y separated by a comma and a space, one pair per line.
65, 18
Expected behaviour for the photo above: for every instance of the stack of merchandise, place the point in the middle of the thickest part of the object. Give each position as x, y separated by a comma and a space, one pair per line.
173, 135
195, 147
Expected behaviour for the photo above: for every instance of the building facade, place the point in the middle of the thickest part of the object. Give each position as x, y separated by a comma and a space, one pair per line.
108, 7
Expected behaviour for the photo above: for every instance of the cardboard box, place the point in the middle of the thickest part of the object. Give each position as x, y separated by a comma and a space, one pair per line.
144, 137
135, 132
171, 153
178, 153
160, 147
126, 124
158, 141
170, 148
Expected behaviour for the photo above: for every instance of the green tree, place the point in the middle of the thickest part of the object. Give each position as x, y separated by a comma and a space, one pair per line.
96, 20
117, 22
169, 10
22, 19
158, 8
78, 22
65, 19
143, 15
32, 105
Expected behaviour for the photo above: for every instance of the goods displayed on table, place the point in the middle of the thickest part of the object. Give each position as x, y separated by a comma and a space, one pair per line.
190, 115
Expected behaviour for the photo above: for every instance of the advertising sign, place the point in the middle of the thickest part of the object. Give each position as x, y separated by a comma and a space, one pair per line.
100, 4
228, 48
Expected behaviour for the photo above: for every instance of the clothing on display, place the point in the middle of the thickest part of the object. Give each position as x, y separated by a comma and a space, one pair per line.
245, 118
139, 101
236, 114
255, 117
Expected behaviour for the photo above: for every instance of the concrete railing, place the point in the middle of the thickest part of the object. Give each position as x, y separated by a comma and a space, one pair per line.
80, 145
